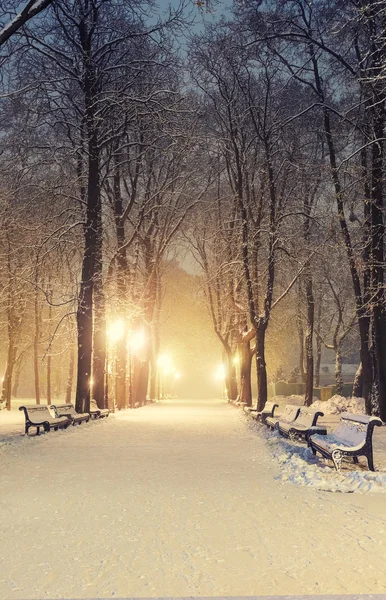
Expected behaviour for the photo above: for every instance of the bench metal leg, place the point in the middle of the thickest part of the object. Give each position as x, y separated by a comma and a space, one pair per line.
337, 459
370, 462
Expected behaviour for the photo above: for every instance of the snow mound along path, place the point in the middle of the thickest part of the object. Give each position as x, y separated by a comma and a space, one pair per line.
338, 404
300, 467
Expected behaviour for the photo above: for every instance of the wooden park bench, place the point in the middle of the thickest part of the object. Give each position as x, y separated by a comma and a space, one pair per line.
290, 413
262, 415
68, 410
39, 416
96, 412
352, 438
304, 424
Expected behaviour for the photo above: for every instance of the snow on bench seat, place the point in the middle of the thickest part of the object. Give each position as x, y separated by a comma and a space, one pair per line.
96, 412
352, 438
68, 410
290, 413
39, 416
268, 411
304, 423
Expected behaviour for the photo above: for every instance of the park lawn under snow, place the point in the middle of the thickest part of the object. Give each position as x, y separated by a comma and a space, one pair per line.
180, 498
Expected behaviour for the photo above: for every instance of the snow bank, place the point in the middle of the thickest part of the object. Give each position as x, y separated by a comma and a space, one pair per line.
300, 467
338, 404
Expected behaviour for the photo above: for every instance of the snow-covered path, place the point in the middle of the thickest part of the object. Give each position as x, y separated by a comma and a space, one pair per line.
176, 499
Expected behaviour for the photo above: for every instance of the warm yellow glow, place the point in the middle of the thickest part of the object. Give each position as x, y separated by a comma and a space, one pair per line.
116, 330
236, 359
220, 373
91, 382
177, 375
165, 363
137, 340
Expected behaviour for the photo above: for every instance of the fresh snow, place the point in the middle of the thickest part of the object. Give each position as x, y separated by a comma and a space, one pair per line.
301, 467
180, 498
338, 404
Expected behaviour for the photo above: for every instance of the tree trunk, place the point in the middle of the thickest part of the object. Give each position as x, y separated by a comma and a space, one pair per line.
99, 336
377, 252
36, 342
18, 367
338, 370
358, 383
141, 381
231, 377
92, 230
85, 300
245, 373
7, 380
49, 357
318, 360
70, 378
366, 362
261, 368
309, 342
153, 374
122, 399
49, 371
301, 349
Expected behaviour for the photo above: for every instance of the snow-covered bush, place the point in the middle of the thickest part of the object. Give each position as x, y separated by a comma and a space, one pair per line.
338, 404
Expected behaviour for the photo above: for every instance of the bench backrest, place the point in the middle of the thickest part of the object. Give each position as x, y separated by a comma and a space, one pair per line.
356, 430
308, 416
38, 412
290, 412
64, 409
270, 407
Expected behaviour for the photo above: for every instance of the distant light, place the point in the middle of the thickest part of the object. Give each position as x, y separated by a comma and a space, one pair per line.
236, 359
137, 340
165, 362
116, 330
177, 375
91, 382
220, 373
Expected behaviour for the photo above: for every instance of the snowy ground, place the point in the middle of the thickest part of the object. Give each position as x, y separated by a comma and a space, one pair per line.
180, 498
